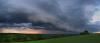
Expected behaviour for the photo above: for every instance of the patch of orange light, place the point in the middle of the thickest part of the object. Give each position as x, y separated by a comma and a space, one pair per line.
24, 31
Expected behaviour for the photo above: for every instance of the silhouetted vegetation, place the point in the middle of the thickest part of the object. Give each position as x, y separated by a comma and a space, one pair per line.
8, 37
84, 33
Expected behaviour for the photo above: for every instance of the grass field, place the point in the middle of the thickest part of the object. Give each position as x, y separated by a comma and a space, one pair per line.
72, 39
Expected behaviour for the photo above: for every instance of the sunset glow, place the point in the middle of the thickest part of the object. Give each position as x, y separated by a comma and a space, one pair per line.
24, 31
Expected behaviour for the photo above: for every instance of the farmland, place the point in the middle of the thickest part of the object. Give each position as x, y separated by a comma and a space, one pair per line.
72, 39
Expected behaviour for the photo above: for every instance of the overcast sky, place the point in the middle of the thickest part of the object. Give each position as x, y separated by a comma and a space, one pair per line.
74, 15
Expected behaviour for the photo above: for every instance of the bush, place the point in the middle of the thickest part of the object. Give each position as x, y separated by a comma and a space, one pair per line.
84, 33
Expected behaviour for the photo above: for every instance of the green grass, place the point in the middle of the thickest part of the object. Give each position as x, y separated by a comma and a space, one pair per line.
72, 39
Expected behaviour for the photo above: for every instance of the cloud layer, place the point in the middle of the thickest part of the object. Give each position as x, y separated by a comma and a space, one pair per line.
72, 15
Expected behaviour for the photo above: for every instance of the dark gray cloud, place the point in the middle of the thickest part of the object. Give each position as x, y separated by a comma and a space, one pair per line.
94, 24
70, 15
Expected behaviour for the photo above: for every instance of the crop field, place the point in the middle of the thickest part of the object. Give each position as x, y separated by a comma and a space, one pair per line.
71, 39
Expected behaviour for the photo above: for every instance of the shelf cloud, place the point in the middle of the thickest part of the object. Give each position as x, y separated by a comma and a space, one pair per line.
70, 15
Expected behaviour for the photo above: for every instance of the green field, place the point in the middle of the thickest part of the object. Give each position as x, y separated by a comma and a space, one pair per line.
72, 39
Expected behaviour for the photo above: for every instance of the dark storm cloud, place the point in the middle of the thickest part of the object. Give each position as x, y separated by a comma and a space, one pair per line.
68, 14
94, 23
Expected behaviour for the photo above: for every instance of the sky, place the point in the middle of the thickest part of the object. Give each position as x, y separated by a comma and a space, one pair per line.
70, 15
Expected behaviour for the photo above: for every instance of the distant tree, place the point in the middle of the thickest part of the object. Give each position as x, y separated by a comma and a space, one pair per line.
84, 32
